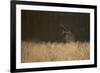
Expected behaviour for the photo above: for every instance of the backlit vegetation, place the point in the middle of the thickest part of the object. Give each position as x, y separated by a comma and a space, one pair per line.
47, 51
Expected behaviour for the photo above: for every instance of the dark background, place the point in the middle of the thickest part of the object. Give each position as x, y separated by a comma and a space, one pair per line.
44, 25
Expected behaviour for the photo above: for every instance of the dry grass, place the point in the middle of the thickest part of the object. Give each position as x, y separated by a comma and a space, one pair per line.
40, 52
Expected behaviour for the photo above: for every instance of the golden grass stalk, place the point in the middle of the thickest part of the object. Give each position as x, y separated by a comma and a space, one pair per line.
43, 52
